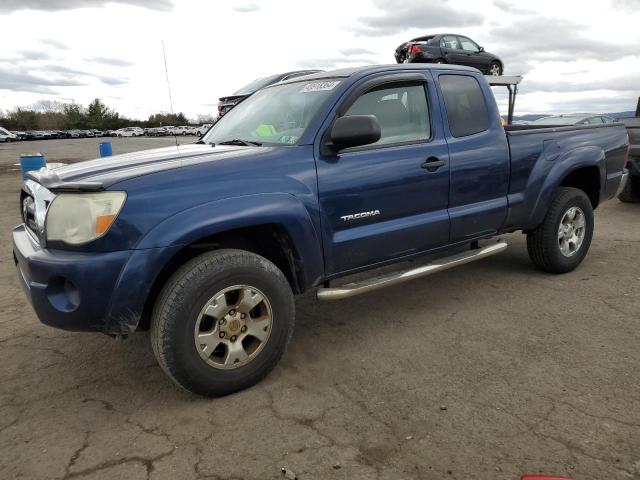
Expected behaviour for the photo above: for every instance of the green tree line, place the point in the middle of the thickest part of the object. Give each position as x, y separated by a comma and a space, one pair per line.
48, 115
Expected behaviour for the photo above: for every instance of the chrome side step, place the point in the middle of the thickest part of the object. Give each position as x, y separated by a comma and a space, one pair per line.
370, 284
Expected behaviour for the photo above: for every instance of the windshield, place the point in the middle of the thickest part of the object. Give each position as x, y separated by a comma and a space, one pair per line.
276, 115
257, 85
556, 121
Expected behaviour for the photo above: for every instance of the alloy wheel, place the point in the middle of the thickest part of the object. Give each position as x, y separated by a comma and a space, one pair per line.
571, 231
233, 327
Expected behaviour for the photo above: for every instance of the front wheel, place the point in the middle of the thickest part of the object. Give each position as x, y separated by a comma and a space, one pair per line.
222, 322
495, 69
561, 242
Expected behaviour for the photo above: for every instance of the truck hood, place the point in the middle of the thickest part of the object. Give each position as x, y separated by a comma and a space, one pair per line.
100, 173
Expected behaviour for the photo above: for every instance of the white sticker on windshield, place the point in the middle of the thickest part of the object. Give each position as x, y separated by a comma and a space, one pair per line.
319, 86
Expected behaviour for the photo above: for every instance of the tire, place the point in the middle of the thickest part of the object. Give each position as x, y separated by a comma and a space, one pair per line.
439, 61
544, 244
631, 191
495, 69
177, 320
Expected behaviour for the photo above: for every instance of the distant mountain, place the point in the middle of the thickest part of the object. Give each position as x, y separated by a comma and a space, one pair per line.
532, 116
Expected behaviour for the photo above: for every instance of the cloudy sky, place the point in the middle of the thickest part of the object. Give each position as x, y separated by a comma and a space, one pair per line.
576, 55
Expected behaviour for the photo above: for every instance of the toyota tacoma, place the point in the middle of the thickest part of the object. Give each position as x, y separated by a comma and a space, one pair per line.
304, 183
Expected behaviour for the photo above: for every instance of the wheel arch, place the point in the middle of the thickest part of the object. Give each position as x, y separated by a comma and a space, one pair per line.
275, 244
276, 226
582, 168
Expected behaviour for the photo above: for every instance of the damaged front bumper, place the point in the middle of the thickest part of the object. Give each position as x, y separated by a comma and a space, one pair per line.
90, 292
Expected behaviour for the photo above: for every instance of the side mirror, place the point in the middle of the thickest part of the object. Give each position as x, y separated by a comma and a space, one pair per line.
355, 130
480, 49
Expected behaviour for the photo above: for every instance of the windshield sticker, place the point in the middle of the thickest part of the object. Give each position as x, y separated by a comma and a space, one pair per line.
319, 86
290, 139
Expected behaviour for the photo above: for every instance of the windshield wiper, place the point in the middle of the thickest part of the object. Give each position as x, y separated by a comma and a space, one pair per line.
237, 141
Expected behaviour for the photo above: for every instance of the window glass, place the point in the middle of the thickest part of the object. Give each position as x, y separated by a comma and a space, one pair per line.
278, 114
401, 110
468, 44
607, 119
594, 120
449, 41
466, 108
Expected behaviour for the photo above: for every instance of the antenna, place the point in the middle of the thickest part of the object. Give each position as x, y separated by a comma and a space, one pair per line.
166, 72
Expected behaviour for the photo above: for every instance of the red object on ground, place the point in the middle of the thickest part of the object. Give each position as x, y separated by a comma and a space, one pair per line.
543, 477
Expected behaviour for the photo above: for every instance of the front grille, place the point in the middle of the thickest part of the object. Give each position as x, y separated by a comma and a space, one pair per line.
34, 201
28, 211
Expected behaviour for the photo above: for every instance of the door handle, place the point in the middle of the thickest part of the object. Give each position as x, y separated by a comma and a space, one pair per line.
432, 164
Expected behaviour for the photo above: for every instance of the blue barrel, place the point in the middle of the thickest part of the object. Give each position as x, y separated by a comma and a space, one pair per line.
31, 162
105, 149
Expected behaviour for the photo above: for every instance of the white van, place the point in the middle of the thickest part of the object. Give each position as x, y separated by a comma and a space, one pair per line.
7, 136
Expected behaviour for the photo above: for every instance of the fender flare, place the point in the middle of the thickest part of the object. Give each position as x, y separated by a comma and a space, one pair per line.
167, 238
575, 159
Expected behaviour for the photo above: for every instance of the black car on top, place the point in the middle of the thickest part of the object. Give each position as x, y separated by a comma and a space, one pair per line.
227, 103
449, 48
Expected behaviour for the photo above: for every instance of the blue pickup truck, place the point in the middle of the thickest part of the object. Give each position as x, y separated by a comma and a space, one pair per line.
306, 182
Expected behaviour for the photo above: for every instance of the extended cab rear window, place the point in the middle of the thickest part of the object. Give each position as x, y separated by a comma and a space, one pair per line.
466, 109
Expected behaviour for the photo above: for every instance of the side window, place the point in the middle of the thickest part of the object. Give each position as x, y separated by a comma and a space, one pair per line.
594, 120
464, 101
468, 45
607, 119
401, 110
450, 41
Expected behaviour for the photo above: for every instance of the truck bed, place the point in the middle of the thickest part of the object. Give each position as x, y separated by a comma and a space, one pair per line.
537, 153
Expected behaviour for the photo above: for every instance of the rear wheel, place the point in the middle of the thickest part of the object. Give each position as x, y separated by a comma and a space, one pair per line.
631, 191
222, 322
561, 242
495, 69
439, 60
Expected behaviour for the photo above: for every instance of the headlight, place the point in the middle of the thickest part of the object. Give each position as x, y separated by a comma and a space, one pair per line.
77, 218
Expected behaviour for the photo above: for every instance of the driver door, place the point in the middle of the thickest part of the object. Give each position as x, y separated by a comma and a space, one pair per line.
389, 199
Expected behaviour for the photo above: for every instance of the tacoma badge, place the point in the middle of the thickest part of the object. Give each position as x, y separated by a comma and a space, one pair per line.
356, 216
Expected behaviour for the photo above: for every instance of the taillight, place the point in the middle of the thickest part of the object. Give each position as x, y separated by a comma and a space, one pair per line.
414, 50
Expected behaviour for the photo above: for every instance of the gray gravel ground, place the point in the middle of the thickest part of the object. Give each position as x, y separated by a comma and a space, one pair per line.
485, 371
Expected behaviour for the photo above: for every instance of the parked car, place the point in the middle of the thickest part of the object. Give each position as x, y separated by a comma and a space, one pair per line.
207, 243
73, 133
202, 129
20, 134
449, 48
59, 134
227, 103
130, 132
573, 119
182, 130
6, 136
631, 192
37, 135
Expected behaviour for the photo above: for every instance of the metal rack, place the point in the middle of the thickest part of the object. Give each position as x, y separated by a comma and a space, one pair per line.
511, 82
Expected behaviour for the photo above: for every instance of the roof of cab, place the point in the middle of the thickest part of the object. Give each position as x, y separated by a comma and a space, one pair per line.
367, 70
